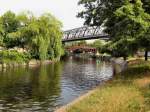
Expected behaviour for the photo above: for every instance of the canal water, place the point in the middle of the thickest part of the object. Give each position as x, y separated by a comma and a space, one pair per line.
44, 88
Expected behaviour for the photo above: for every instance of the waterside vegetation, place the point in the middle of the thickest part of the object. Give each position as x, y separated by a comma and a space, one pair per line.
24, 37
127, 92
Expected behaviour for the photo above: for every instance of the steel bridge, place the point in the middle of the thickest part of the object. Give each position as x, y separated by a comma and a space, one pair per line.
84, 33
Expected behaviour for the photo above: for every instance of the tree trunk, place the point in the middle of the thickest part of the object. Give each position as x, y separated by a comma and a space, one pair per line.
146, 55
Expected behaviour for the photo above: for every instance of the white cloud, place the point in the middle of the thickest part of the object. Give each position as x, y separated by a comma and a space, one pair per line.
64, 10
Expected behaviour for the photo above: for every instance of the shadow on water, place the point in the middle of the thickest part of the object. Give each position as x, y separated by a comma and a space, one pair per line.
43, 88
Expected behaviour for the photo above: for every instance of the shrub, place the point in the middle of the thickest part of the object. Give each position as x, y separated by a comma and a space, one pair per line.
7, 56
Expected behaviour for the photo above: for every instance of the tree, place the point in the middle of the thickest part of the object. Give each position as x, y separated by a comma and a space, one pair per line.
135, 13
123, 20
1, 35
121, 48
144, 41
40, 36
97, 12
9, 26
98, 44
146, 5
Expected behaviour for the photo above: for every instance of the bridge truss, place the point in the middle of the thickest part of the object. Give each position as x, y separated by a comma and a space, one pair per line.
84, 33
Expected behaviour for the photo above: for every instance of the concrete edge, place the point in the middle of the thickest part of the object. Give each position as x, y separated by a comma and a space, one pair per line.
66, 107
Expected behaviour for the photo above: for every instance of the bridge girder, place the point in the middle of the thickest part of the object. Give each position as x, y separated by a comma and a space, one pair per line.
84, 33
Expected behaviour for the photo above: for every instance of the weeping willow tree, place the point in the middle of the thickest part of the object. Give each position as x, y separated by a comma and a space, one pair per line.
1, 35
40, 36
46, 41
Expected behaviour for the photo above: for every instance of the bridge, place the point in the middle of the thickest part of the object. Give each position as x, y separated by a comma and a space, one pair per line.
84, 33
81, 48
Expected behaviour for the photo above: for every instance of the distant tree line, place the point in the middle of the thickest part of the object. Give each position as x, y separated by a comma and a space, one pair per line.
126, 21
40, 36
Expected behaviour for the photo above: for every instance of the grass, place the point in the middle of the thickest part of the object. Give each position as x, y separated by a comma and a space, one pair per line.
127, 92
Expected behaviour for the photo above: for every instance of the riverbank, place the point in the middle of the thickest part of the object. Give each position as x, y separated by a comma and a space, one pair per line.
10, 58
31, 63
127, 92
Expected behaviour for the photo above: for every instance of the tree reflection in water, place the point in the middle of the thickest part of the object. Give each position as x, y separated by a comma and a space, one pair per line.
43, 88
28, 89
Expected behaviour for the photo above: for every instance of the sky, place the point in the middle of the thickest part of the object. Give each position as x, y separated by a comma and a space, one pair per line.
64, 10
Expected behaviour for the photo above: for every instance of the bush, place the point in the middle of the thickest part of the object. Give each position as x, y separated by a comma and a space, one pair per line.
8, 56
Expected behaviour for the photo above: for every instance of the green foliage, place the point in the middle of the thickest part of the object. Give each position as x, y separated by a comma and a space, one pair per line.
37, 35
121, 48
145, 40
9, 26
146, 5
7, 56
98, 44
123, 20
140, 20
96, 12
83, 42
76, 43
42, 34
